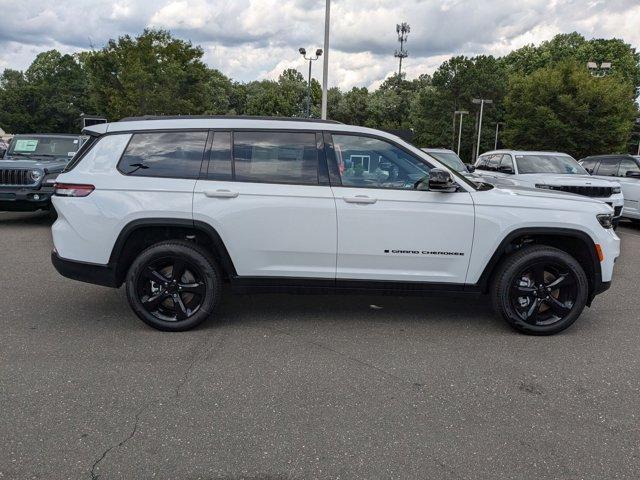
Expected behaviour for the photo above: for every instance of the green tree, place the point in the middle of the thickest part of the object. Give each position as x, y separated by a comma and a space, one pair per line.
564, 108
150, 74
15, 102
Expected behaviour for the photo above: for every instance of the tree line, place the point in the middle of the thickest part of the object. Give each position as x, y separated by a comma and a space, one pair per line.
544, 95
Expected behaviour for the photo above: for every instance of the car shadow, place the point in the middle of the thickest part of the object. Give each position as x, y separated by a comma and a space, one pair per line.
39, 218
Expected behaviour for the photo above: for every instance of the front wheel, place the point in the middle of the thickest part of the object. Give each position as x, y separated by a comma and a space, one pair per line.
540, 290
173, 285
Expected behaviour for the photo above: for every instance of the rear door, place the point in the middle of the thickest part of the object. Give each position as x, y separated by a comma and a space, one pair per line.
388, 230
267, 194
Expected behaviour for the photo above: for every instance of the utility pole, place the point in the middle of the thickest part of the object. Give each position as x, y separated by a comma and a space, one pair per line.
497, 129
402, 30
481, 102
461, 113
325, 66
303, 52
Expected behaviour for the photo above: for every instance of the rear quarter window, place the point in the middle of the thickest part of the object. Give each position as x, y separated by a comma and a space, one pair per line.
164, 154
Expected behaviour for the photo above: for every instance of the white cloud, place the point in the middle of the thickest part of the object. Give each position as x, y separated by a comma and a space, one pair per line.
253, 39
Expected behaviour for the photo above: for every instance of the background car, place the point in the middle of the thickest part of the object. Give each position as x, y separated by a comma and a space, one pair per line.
452, 160
29, 169
550, 171
624, 169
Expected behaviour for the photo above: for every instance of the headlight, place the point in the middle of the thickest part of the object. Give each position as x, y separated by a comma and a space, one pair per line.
616, 190
605, 219
35, 175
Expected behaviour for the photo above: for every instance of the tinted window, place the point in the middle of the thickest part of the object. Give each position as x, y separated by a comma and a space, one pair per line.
371, 162
627, 165
589, 164
507, 162
276, 157
450, 159
220, 159
549, 164
164, 154
608, 167
481, 164
493, 162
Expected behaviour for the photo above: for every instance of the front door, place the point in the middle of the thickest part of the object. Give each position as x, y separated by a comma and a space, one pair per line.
388, 230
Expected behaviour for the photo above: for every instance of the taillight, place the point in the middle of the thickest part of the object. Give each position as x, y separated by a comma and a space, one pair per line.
72, 190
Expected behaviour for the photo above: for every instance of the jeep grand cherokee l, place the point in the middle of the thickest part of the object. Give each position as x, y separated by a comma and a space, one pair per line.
29, 169
174, 207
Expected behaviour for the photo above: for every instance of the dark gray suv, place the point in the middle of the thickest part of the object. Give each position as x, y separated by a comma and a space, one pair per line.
29, 168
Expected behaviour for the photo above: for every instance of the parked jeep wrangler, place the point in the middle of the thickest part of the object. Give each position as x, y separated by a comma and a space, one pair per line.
174, 207
29, 169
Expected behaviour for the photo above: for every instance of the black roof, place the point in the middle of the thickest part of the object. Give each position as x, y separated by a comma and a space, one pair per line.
222, 117
47, 135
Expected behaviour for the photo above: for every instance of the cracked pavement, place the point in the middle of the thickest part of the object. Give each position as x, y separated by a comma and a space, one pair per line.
300, 387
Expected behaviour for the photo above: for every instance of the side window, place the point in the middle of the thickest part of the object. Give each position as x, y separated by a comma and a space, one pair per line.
608, 167
481, 163
375, 163
493, 162
627, 165
589, 164
164, 154
276, 157
507, 163
220, 159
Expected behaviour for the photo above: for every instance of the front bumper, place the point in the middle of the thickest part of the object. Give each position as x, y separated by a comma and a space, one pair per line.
104, 275
25, 199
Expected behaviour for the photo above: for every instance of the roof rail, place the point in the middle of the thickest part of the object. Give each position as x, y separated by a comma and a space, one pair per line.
223, 117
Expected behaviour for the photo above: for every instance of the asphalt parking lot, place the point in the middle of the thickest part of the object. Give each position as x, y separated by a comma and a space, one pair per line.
287, 387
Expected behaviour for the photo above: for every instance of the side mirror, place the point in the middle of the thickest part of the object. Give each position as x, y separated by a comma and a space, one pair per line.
471, 168
632, 174
505, 169
440, 181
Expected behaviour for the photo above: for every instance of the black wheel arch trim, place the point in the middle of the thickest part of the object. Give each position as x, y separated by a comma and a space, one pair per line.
203, 227
595, 280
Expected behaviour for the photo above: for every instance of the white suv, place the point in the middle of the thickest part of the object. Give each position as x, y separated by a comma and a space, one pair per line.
175, 207
547, 170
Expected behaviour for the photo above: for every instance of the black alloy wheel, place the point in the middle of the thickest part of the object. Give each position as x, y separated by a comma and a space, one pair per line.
540, 290
173, 285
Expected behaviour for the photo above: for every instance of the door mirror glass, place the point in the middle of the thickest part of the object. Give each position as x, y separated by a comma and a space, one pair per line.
440, 181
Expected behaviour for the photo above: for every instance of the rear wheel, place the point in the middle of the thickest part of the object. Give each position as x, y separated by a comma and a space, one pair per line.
540, 290
173, 285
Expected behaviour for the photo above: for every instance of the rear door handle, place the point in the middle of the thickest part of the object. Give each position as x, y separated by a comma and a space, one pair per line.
220, 194
360, 199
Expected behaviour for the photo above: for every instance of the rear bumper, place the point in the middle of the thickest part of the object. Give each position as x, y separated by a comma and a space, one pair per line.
103, 275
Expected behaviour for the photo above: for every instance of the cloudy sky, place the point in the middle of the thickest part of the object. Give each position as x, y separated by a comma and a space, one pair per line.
255, 39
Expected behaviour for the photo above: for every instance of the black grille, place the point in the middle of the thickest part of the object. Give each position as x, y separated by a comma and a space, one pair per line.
15, 176
600, 192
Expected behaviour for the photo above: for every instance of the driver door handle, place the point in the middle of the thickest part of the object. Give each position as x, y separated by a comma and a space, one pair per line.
360, 199
220, 194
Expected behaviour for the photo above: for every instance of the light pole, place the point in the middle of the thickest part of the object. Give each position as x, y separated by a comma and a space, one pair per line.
461, 113
303, 52
325, 69
495, 147
599, 69
480, 101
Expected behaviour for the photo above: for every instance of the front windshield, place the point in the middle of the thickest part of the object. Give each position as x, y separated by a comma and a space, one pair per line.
562, 164
43, 147
451, 160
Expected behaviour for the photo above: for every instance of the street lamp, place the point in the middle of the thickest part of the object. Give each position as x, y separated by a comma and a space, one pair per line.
481, 102
497, 129
599, 69
461, 113
303, 52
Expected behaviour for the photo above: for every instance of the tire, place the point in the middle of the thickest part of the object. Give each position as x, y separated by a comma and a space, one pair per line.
170, 303
539, 290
